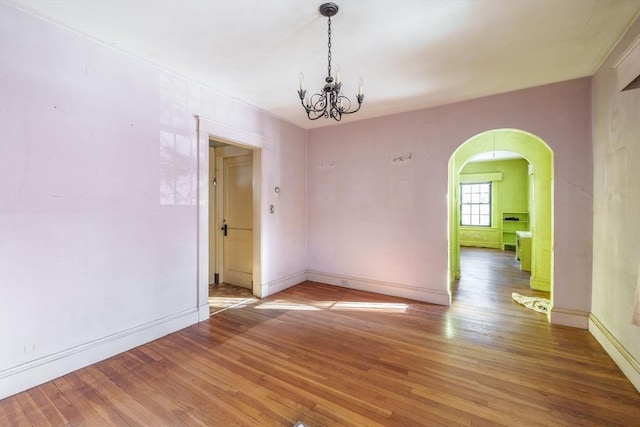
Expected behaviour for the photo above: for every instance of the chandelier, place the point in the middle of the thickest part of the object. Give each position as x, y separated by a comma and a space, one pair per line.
329, 103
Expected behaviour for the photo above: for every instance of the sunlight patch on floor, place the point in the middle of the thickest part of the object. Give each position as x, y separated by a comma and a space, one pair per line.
219, 303
287, 305
382, 307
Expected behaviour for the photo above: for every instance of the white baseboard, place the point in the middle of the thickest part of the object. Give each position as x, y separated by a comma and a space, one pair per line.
386, 288
572, 318
283, 283
629, 365
204, 312
22, 377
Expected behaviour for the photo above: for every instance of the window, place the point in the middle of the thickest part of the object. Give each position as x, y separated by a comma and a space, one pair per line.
475, 204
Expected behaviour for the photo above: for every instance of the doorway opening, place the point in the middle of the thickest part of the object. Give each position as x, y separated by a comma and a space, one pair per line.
520, 187
231, 225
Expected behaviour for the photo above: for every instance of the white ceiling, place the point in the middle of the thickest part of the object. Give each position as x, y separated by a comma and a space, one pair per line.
411, 54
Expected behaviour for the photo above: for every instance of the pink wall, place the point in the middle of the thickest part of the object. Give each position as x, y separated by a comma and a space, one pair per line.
101, 177
381, 224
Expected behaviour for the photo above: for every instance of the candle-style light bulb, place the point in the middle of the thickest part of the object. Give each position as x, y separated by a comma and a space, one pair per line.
360, 86
301, 76
337, 73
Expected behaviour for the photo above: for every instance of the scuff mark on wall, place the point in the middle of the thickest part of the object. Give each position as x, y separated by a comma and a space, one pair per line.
577, 187
402, 158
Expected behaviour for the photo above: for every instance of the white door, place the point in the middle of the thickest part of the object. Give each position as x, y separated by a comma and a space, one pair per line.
237, 220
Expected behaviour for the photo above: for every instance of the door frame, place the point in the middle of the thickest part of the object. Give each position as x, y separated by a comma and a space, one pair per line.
207, 129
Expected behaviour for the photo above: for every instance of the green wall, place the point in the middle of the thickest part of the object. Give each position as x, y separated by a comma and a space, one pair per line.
509, 192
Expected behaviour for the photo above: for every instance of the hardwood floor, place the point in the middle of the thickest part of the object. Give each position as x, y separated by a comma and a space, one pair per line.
333, 356
223, 296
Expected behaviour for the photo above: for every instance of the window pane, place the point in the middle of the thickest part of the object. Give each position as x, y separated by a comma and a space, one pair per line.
475, 204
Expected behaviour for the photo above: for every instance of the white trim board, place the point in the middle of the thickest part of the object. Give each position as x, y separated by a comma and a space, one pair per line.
283, 283
31, 374
566, 317
625, 360
386, 288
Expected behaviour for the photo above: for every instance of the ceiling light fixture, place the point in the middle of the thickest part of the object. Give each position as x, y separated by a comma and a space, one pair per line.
329, 103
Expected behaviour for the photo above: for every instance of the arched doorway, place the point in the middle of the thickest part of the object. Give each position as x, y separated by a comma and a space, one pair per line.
540, 157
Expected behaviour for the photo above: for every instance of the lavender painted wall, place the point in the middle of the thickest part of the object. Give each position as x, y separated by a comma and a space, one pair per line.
102, 179
379, 222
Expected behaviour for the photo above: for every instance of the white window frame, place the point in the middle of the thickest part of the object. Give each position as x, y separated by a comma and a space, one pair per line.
476, 210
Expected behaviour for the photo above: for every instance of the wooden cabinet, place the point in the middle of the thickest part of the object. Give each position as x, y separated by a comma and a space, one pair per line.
512, 222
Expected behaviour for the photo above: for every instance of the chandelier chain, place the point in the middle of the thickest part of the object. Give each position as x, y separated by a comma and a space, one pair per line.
329, 46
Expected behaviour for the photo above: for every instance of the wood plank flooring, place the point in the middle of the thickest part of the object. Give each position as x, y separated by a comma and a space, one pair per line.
333, 356
223, 296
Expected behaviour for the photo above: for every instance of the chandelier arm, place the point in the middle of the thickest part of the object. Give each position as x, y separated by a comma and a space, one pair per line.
351, 112
318, 103
317, 106
308, 109
313, 114
316, 117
